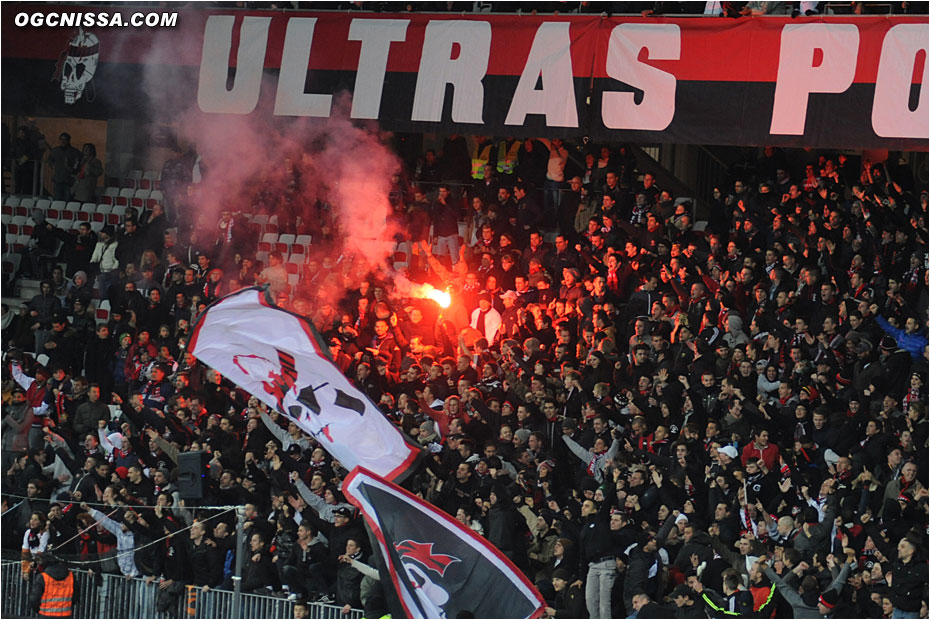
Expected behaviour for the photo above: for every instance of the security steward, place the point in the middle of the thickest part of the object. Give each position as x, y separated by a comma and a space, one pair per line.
53, 593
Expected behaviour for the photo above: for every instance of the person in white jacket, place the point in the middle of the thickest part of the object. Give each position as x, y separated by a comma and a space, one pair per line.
125, 541
485, 318
104, 257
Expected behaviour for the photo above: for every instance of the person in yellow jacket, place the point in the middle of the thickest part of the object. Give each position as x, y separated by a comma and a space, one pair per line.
481, 156
507, 153
53, 593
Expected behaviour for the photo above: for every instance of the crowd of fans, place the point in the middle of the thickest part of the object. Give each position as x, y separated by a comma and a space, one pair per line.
648, 419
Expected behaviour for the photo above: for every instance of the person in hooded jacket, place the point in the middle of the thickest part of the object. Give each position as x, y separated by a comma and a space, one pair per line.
53, 594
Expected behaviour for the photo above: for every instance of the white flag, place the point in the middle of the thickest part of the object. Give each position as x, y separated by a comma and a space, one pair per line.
279, 358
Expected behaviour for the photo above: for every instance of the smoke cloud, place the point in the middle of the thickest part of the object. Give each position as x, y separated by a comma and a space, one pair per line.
329, 178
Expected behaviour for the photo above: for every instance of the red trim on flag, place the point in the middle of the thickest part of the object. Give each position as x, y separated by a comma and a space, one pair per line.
347, 483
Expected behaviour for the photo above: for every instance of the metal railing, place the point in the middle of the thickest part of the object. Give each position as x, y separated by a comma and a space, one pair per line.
116, 596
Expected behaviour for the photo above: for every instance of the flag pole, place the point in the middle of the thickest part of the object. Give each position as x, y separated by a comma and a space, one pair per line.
240, 552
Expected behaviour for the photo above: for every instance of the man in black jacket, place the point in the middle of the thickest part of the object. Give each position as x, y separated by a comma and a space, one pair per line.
908, 580
259, 572
569, 599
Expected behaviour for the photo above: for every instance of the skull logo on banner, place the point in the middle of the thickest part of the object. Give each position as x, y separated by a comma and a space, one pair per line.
79, 65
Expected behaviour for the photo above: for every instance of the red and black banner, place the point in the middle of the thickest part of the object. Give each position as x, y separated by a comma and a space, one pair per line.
437, 567
830, 82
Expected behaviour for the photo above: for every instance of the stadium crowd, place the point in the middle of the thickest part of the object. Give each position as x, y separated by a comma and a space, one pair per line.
648, 417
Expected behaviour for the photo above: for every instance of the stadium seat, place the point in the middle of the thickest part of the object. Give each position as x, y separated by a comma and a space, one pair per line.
264, 246
27, 229
270, 237
11, 201
66, 215
83, 216
119, 211
27, 203
127, 192
156, 195
52, 213
12, 229
298, 253
96, 226
74, 205
77, 224
21, 211
89, 207
11, 264
58, 204
113, 219
104, 208
287, 238
7, 209
292, 267
98, 217
271, 228
260, 218
303, 239
43, 204
281, 248
18, 220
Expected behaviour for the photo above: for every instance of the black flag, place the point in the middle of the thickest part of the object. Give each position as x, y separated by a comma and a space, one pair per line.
438, 567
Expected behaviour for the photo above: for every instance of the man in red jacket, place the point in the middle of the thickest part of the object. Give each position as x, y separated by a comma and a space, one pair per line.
760, 448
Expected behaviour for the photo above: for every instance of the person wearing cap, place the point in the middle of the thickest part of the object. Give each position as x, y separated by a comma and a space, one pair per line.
569, 598
157, 390
485, 318
105, 260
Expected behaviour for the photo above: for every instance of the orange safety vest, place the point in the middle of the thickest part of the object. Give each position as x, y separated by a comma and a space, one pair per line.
57, 596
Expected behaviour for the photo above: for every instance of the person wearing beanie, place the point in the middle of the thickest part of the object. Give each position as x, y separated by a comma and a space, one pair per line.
485, 318
569, 598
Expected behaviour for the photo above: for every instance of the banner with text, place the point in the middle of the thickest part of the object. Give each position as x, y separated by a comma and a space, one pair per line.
830, 82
